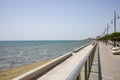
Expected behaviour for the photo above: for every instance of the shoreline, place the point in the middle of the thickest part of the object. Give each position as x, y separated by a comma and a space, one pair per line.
16, 71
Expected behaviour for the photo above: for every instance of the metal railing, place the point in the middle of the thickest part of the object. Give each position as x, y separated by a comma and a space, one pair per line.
86, 63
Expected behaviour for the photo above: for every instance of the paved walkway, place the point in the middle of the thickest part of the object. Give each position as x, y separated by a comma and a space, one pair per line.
110, 64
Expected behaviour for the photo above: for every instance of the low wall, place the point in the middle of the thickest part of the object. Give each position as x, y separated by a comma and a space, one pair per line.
42, 69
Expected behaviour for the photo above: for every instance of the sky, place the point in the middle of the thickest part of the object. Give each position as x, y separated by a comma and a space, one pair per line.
56, 19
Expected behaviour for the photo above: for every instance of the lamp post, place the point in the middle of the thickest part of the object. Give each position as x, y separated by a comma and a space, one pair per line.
114, 21
107, 32
114, 26
108, 29
115, 18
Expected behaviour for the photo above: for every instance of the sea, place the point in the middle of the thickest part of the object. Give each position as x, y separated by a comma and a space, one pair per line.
17, 53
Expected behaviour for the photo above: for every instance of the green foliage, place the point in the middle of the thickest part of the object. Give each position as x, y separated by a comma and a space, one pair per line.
113, 37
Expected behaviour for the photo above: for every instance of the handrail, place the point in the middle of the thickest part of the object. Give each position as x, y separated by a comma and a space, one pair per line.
76, 72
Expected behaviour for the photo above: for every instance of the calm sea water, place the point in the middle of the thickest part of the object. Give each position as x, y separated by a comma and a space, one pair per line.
16, 53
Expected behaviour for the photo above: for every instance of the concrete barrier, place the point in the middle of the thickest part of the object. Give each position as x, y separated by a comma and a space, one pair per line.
116, 50
43, 69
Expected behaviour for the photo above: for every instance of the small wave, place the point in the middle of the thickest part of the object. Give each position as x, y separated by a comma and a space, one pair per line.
4, 66
2, 59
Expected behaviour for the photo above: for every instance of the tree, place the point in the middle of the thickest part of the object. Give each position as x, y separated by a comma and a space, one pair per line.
115, 36
112, 37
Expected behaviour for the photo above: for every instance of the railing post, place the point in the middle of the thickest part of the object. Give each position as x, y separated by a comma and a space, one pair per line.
79, 77
89, 65
86, 77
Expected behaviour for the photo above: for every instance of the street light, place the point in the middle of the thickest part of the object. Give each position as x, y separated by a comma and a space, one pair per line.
108, 29
115, 18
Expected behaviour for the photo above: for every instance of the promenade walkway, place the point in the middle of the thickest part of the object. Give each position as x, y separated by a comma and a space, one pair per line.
106, 66
110, 64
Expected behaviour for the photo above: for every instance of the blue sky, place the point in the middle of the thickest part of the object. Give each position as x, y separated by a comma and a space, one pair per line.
56, 19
